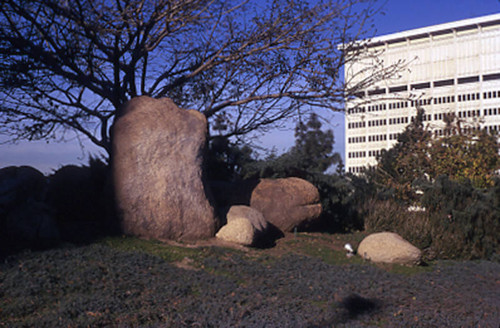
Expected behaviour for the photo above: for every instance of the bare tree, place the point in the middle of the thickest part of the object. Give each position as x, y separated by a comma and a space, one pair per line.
69, 65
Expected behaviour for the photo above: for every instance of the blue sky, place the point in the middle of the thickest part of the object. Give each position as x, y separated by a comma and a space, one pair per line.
396, 16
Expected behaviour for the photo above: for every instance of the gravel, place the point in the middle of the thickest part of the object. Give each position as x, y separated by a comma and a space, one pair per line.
101, 286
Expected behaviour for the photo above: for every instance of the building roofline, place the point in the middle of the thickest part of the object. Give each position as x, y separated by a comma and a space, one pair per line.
436, 29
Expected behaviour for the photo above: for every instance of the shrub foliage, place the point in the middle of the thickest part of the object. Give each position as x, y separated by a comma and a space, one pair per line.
452, 184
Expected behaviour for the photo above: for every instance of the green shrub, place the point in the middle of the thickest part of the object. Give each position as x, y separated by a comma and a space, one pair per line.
459, 221
389, 215
465, 220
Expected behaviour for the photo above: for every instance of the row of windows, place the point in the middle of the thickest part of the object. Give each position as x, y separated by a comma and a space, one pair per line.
372, 138
426, 117
469, 113
357, 169
380, 122
398, 120
356, 154
398, 105
491, 94
435, 84
467, 130
468, 97
444, 100
356, 125
377, 137
371, 153
491, 111
376, 108
394, 136
356, 139
392, 121
424, 102
374, 153
421, 102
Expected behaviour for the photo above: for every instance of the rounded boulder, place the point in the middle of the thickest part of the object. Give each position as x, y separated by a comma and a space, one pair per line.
286, 203
389, 247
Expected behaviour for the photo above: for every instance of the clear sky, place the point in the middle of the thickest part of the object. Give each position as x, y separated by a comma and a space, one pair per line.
396, 16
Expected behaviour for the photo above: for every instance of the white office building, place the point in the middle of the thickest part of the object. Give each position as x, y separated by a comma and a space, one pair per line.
452, 68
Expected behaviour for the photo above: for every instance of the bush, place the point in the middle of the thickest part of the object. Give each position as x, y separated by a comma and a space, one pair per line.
340, 197
389, 215
460, 221
465, 220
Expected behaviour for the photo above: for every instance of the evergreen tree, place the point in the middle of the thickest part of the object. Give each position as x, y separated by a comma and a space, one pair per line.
312, 153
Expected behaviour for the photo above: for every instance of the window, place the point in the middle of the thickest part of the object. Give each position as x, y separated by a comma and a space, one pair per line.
489, 77
398, 89
468, 79
376, 92
418, 86
443, 83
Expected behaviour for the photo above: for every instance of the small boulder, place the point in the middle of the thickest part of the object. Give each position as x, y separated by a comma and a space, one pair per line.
389, 247
157, 168
245, 212
261, 234
239, 231
286, 203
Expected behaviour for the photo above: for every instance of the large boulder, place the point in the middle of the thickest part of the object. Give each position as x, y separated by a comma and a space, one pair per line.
81, 201
389, 247
19, 184
25, 220
157, 162
286, 203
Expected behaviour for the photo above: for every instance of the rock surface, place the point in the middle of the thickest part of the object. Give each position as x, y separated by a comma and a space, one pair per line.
157, 170
25, 220
389, 247
251, 214
19, 184
245, 226
286, 203
239, 231
71, 195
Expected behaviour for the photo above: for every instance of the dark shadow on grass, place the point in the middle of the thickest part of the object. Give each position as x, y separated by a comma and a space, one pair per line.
268, 239
350, 308
355, 305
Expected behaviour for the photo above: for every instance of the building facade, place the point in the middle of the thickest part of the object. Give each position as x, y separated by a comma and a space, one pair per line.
451, 68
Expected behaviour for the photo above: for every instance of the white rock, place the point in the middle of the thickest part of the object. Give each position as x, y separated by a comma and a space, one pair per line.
239, 230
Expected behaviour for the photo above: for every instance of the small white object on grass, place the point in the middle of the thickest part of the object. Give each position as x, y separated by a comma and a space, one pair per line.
350, 250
